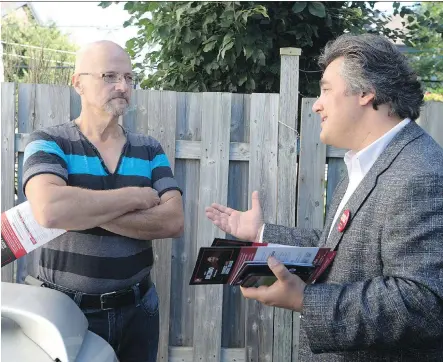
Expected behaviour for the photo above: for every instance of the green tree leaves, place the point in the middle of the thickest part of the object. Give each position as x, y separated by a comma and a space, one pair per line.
27, 56
299, 6
425, 39
317, 9
235, 46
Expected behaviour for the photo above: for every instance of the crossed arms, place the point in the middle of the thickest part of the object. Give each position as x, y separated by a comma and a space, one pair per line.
135, 212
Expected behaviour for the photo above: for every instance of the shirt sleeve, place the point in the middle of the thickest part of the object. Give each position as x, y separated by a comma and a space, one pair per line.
161, 174
43, 156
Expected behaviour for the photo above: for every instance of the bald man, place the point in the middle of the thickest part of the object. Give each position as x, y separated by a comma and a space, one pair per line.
114, 191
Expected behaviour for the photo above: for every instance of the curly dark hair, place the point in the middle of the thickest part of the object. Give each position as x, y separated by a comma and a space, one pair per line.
373, 64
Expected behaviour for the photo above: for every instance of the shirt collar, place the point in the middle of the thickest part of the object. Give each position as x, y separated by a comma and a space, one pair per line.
362, 161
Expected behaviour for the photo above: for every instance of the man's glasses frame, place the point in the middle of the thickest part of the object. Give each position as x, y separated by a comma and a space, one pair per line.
113, 77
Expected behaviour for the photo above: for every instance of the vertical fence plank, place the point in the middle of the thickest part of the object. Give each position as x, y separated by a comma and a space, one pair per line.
136, 118
336, 171
154, 113
311, 187
233, 333
133, 113
26, 111
39, 106
288, 137
262, 177
214, 167
430, 120
187, 173
287, 183
75, 104
162, 127
8, 160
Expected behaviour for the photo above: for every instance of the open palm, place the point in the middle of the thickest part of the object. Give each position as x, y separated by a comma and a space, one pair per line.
243, 225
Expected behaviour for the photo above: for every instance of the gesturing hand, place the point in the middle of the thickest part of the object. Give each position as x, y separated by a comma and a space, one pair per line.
243, 225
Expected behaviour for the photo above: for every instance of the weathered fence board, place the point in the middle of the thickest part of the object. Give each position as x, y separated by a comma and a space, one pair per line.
214, 167
431, 119
262, 177
39, 106
336, 171
186, 354
184, 250
311, 173
233, 322
162, 127
287, 182
75, 104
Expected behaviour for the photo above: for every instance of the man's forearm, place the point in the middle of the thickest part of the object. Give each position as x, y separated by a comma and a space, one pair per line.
162, 221
74, 208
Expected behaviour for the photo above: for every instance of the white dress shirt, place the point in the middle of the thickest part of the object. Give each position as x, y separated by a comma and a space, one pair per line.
358, 165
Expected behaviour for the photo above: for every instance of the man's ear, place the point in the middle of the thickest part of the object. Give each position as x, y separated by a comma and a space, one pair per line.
366, 98
76, 84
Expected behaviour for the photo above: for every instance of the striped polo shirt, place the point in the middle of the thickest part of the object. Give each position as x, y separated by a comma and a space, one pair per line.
96, 260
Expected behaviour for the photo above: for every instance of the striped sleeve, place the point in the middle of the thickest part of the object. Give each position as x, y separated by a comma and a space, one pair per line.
161, 174
43, 156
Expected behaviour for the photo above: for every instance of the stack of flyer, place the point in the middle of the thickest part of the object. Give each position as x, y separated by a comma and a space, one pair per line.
244, 263
21, 233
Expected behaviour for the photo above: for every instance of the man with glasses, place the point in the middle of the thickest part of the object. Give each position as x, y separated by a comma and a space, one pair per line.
114, 191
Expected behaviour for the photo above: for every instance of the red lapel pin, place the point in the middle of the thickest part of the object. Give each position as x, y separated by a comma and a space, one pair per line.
344, 220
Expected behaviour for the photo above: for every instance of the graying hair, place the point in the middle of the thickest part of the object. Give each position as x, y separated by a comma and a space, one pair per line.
373, 64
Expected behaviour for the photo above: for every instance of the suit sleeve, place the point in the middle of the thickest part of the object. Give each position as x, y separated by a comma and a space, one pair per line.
404, 306
279, 234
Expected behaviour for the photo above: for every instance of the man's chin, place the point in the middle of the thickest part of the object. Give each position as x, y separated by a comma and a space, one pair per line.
117, 111
323, 137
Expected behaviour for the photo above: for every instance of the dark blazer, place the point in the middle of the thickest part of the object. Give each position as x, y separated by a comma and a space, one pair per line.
382, 298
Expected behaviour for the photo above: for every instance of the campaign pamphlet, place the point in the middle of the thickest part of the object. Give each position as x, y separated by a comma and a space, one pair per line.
21, 233
244, 263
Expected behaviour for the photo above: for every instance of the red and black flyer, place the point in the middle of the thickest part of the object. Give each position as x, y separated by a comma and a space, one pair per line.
243, 263
21, 233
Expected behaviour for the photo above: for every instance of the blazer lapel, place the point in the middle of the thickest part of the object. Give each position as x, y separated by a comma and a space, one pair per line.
356, 201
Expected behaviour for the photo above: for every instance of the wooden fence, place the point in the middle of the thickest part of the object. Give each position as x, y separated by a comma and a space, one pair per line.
222, 147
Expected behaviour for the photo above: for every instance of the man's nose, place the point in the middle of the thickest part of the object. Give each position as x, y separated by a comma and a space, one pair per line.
317, 106
122, 85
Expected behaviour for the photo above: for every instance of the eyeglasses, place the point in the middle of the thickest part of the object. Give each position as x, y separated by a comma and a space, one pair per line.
113, 77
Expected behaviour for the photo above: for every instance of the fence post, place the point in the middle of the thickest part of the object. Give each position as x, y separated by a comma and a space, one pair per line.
285, 331
430, 122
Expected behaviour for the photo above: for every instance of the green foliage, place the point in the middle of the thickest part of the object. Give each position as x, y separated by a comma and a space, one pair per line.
425, 38
35, 65
234, 46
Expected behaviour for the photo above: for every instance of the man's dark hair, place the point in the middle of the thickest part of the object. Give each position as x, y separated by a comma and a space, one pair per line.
373, 64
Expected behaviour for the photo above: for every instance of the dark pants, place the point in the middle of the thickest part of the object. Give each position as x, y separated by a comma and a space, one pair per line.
132, 331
